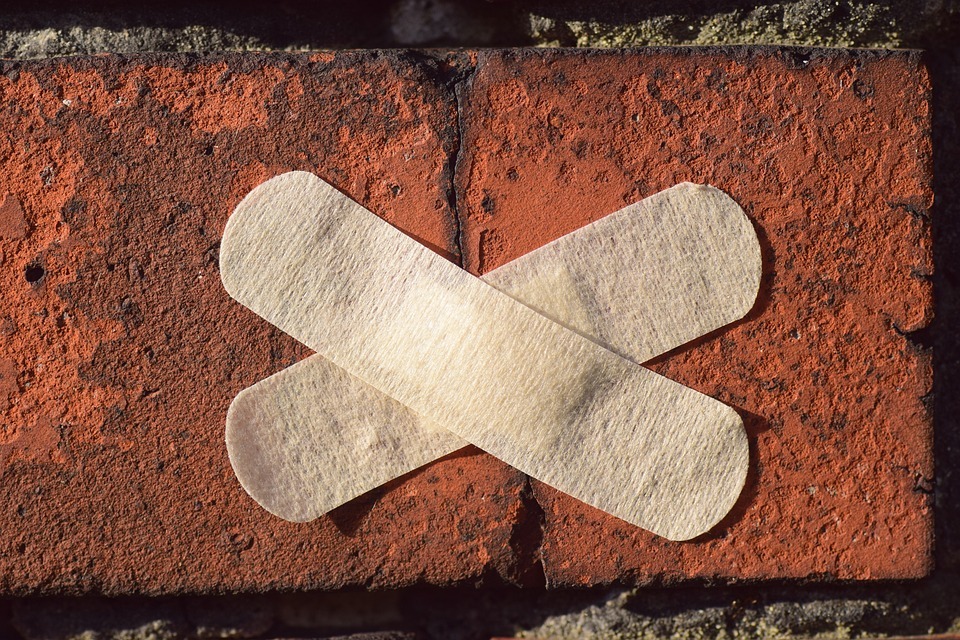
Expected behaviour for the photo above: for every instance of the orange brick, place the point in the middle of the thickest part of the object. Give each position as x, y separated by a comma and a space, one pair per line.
830, 155
121, 350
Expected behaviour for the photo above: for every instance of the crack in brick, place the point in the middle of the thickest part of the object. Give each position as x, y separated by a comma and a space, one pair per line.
526, 539
458, 80
454, 165
455, 71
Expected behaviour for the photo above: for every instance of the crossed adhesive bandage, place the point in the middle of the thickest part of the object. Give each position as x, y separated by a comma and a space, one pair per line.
535, 363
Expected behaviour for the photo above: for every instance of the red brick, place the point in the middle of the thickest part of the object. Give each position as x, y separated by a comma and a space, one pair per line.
120, 357
830, 156
118, 364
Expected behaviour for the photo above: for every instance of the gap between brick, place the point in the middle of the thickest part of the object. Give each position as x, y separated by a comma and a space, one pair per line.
455, 72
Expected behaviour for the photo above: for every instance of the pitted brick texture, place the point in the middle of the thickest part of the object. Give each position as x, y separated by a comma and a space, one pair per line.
830, 157
121, 351
118, 364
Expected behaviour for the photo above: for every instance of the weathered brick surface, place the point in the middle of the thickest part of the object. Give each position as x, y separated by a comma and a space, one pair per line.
121, 351
829, 154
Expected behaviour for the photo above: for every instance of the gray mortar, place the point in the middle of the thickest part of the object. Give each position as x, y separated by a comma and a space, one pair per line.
821, 23
784, 610
206, 25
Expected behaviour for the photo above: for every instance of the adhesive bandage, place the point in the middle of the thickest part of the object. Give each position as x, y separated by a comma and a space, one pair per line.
407, 342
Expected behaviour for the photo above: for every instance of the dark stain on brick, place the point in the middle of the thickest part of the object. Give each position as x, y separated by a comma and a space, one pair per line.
487, 204
34, 273
73, 211
863, 90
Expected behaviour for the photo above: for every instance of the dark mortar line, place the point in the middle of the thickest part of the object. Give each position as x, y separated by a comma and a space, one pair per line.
527, 538
458, 87
450, 70
455, 163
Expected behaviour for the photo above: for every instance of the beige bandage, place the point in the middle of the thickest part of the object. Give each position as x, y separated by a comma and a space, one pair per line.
541, 397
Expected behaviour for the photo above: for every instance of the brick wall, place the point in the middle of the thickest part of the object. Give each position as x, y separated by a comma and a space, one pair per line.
121, 171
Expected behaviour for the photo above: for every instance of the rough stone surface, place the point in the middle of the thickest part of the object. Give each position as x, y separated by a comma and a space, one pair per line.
85, 27
100, 620
754, 611
465, 613
121, 350
824, 23
61, 27
829, 154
